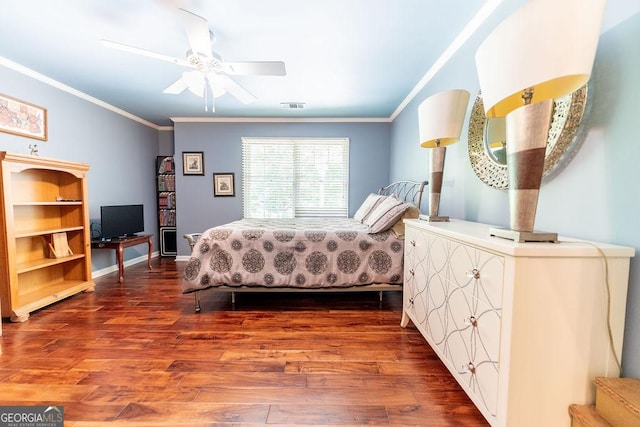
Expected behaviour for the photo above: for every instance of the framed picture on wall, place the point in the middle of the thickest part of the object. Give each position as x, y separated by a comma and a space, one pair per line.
192, 163
22, 118
223, 184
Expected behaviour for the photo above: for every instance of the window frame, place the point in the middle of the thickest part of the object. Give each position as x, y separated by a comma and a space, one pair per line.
290, 156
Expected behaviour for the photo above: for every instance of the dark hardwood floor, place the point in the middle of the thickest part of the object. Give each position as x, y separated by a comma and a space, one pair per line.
136, 354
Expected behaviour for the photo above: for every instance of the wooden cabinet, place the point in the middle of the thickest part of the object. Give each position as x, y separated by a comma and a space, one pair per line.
521, 326
166, 184
45, 254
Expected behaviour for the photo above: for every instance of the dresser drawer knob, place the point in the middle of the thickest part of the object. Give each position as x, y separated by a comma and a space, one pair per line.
469, 368
471, 321
475, 273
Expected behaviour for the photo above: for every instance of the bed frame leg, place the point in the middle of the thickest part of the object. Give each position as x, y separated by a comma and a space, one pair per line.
197, 302
233, 298
380, 299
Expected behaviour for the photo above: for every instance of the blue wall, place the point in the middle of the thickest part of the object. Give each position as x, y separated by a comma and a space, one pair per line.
121, 152
596, 195
221, 143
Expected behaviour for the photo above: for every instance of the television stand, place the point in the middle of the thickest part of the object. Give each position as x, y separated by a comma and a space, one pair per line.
120, 243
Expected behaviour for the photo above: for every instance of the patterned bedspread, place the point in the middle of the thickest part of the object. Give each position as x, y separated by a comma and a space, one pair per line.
300, 253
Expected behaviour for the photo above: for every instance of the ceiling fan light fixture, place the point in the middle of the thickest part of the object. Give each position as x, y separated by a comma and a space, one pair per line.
195, 82
216, 82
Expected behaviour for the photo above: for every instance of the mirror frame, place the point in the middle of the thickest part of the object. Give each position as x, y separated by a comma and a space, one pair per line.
567, 115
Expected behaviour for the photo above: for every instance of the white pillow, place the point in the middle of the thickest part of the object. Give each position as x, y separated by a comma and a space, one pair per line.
367, 206
385, 214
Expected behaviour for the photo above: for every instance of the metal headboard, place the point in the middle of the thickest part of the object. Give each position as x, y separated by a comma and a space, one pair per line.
409, 191
404, 190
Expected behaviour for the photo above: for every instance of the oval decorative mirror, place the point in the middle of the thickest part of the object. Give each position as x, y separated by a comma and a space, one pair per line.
487, 146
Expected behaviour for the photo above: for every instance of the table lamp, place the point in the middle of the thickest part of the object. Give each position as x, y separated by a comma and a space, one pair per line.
440, 118
545, 50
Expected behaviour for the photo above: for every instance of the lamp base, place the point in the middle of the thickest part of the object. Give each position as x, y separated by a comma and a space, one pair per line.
433, 218
524, 236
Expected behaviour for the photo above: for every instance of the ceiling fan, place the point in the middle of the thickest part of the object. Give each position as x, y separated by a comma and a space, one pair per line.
209, 74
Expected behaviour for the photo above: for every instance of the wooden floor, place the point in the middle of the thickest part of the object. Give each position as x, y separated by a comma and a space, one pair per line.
136, 354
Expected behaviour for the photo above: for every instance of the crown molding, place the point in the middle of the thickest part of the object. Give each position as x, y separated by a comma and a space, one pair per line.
485, 11
63, 87
281, 119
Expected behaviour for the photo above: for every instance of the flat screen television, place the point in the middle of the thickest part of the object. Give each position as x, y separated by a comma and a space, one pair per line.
121, 220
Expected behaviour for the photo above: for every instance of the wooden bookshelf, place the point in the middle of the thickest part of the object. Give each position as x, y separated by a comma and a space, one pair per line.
40, 198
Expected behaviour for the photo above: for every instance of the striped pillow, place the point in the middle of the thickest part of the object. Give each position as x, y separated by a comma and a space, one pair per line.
385, 214
368, 206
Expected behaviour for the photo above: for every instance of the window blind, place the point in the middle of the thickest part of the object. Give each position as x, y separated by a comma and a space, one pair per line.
294, 177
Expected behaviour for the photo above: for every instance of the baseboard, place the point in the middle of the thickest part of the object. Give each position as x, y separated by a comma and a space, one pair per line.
127, 263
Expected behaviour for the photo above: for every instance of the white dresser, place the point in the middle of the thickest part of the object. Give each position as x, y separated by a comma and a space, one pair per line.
521, 326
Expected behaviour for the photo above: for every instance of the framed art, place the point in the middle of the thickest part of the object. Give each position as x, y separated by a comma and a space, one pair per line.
223, 184
22, 118
192, 163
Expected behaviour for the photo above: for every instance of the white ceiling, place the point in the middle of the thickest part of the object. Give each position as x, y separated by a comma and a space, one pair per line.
344, 58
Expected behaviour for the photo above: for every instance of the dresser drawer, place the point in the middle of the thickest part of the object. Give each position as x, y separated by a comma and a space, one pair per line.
472, 346
416, 277
477, 272
413, 294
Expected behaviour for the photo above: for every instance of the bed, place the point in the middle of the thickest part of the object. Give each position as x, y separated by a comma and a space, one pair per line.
359, 254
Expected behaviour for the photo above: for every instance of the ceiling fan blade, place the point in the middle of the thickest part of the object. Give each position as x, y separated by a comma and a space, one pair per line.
259, 68
236, 90
197, 32
143, 52
178, 87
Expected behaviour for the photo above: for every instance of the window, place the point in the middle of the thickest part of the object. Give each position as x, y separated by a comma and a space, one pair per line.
291, 178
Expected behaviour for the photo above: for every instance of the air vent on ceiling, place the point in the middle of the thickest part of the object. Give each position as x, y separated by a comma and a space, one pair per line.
292, 105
